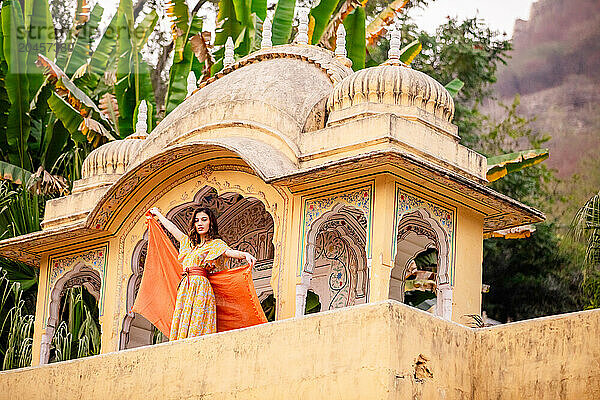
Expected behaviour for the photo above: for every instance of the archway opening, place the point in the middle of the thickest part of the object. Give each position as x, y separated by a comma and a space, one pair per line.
336, 265
73, 328
420, 282
312, 306
420, 274
244, 224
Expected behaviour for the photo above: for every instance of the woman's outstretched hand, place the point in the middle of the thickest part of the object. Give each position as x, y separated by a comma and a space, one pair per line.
250, 259
155, 212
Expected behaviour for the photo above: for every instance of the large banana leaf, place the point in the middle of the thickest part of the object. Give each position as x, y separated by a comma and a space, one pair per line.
178, 12
454, 86
282, 21
68, 116
322, 13
94, 125
410, 51
133, 75
55, 140
180, 70
259, 7
83, 43
178, 79
4, 102
355, 38
104, 52
344, 10
378, 26
11, 172
39, 119
16, 83
145, 28
227, 23
40, 40
81, 17
500, 166
243, 11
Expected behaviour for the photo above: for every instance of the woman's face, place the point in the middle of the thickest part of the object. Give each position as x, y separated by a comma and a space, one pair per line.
202, 223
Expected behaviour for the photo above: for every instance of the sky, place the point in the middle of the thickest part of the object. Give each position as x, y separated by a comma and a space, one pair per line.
499, 15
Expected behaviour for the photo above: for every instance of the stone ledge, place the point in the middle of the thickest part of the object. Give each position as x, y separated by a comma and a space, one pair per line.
375, 351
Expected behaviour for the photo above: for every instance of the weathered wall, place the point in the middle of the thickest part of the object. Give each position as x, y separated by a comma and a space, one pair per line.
547, 358
376, 351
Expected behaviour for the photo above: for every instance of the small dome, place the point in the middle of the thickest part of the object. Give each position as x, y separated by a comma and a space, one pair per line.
111, 158
396, 85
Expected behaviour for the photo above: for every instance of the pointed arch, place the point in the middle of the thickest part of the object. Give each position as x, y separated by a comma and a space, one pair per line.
80, 275
343, 227
426, 232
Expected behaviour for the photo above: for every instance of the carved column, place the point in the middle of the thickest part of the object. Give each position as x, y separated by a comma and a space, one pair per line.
301, 292
381, 263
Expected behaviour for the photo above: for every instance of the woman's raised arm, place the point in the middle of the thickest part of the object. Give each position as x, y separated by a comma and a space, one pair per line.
241, 255
171, 227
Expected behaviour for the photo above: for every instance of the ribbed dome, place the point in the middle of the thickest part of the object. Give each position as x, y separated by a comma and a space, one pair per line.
111, 158
396, 85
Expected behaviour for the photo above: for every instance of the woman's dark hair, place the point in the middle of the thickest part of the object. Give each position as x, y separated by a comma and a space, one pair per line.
213, 229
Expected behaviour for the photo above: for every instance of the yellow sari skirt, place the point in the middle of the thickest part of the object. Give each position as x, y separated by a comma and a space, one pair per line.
195, 310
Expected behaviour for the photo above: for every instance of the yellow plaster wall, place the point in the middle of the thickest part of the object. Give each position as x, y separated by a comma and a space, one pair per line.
466, 294
375, 351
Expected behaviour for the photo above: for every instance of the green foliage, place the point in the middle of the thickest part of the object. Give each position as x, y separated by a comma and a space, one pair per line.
282, 21
355, 39
454, 86
177, 90
16, 83
16, 323
501, 165
20, 211
313, 305
467, 50
530, 277
322, 14
410, 51
78, 334
585, 228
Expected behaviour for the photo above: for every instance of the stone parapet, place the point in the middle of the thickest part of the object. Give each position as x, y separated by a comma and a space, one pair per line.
377, 351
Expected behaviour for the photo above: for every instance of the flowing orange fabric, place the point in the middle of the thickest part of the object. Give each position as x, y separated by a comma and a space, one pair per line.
237, 303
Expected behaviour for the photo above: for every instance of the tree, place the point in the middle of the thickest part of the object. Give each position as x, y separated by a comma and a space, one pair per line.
585, 228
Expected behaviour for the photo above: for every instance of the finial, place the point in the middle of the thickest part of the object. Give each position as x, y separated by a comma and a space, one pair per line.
191, 83
141, 125
229, 59
395, 42
267, 32
340, 42
302, 37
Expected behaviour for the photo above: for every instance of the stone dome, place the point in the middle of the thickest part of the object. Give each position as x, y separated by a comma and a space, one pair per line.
282, 89
111, 158
393, 84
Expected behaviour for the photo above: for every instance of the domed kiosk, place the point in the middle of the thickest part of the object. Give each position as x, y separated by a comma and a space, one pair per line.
336, 180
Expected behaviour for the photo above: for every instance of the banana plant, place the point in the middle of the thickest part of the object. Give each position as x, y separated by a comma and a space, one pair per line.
79, 114
500, 166
22, 114
187, 36
133, 82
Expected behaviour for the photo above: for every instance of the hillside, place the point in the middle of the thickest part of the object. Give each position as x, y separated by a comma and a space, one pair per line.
555, 66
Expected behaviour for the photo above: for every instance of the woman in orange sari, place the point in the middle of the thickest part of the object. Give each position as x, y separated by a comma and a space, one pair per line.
201, 252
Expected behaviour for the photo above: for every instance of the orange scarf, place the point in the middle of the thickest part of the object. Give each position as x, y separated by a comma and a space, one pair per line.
237, 303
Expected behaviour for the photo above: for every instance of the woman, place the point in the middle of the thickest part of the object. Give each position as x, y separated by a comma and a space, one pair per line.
200, 252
